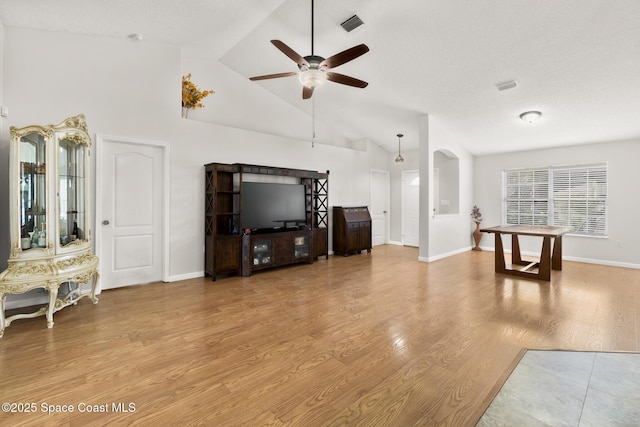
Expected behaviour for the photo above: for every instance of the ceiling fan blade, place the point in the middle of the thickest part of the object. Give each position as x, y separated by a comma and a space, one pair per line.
345, 56
307, 92
297, 58
272, 76
346, 80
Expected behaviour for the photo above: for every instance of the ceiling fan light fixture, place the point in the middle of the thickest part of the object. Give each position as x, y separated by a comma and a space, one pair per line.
530, 116
312, 78
313, 68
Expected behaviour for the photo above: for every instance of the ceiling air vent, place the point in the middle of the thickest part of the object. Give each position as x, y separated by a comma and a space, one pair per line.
507, 85
352, 23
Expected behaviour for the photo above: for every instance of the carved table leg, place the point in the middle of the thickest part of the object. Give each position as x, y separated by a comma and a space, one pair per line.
94, 287
2, 325
53, 296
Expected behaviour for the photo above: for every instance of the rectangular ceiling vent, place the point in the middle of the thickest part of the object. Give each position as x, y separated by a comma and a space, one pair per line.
507, 85
352, 23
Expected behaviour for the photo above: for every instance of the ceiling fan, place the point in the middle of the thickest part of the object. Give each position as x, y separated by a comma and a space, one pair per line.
313, 68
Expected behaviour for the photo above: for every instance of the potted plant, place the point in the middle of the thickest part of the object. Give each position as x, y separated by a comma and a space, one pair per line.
192, 95
476, 215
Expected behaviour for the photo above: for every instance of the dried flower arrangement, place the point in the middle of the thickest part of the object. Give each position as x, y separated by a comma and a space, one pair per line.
191, 94
475, 214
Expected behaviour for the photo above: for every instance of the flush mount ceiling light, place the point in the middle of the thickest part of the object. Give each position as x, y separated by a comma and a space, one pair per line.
135, 36
530, 116
399, 159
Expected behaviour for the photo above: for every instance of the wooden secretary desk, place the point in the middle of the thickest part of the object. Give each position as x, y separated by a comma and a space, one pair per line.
351, 230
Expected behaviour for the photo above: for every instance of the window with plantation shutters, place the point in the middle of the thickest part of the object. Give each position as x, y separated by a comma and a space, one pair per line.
580, 199
573, 196
527, 197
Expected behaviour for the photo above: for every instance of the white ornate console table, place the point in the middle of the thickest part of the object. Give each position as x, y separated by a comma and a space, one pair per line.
49, 275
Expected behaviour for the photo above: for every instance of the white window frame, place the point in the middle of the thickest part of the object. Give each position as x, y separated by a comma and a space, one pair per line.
576, 196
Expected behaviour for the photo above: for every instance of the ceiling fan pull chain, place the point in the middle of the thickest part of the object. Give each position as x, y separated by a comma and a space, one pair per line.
313, 122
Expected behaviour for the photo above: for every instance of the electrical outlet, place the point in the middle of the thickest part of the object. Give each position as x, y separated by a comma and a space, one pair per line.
619, 243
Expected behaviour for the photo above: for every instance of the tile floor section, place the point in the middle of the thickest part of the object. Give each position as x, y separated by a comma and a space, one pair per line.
568, 388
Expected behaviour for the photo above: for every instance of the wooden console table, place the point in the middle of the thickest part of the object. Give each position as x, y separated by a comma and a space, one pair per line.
549, 259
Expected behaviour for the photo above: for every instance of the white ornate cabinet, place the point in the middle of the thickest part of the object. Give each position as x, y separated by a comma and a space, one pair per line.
50, 217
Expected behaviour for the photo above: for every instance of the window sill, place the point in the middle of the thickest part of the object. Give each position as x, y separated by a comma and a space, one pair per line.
586, 235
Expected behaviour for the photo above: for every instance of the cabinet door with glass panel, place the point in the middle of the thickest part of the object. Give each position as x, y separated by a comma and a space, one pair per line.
72, 158
33, 195
52, 210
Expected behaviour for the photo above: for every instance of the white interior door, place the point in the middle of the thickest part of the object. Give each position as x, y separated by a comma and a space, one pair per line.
410, 208
380, 189
130, 215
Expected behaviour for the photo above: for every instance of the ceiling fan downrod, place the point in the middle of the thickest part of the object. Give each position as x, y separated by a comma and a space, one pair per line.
312, 28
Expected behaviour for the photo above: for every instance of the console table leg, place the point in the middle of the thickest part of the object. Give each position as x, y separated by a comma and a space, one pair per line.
2, 322
556, 258
544, 269
516, 257
94, 287
53, 296
499, 256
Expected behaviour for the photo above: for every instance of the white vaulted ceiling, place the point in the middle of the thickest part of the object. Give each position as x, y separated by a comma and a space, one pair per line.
576, 61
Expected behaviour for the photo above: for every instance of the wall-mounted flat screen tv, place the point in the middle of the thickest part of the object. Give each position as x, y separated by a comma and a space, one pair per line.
272, 206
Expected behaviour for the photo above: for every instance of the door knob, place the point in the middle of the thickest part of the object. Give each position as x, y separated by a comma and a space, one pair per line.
105, 222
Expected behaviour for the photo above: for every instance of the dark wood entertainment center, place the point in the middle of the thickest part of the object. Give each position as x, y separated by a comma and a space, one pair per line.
232, 249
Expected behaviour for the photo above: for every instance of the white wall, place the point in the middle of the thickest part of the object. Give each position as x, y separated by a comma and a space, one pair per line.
622, 246
449, 234
4, 168
132, 90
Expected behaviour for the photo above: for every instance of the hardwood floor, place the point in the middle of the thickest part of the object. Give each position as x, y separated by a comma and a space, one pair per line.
375, 339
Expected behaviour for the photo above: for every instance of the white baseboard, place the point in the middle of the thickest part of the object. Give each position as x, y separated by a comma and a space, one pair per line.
186, 276
444, 255
394, 242
603, 262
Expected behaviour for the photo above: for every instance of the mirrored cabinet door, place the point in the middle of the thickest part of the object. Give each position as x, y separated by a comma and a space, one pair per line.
72, 186
33, 191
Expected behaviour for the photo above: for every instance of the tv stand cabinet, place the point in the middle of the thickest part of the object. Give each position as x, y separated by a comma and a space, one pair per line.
228, 250
261, 251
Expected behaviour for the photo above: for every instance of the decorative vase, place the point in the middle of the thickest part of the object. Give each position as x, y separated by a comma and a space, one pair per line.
185, 112
476, 236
